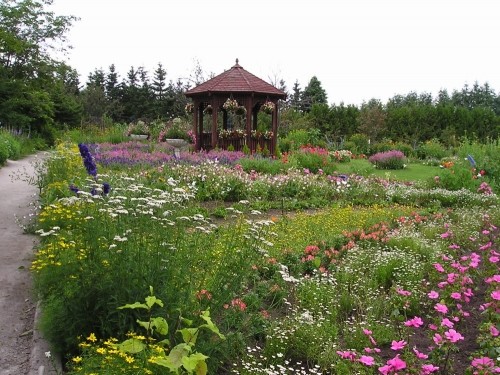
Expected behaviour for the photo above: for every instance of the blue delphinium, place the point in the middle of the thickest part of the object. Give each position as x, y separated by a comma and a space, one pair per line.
106, 188
88, 160
74, 188
90, 166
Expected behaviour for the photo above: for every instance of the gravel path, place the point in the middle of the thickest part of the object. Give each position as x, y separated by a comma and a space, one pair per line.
21, 349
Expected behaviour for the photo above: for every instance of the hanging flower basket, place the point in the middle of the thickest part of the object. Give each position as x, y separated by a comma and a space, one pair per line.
240, 111
189, 108
230, 105
267, 107
208, 110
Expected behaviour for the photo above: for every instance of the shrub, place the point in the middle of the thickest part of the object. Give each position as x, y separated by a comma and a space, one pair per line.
261, 165
359, 144
311, 158
393, 159
4, 152
13, 145
432, 149
388, 145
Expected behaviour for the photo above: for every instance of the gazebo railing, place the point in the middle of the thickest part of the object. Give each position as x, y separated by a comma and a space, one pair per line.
237, 143
262, 143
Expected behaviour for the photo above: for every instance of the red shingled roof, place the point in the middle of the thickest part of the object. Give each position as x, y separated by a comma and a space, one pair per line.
236, 79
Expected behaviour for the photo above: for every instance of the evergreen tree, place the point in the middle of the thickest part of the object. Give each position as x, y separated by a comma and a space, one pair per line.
313, 94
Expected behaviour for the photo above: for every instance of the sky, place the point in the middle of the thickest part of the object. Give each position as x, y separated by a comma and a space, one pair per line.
358, 49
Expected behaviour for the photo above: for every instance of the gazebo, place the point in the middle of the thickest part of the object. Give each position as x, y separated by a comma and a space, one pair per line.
229, 103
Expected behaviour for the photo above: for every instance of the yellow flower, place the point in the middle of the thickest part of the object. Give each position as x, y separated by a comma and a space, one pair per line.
77, 359
101, 351
92, 337
129, 359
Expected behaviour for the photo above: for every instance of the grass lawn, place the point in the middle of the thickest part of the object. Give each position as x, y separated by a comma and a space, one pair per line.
412, 172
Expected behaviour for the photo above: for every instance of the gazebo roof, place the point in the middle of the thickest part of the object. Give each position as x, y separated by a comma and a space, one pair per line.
236, 80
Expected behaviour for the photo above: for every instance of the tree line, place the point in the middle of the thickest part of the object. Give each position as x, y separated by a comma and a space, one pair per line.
40, 94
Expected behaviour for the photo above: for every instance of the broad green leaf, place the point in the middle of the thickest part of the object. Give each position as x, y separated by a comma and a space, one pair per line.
187, 322
165, 362
201, 368
165, 342
136, 305
192, 361
131, 346
317, 262
160, 325
177, 353
205, 315
143, 324
189, 335
151, 300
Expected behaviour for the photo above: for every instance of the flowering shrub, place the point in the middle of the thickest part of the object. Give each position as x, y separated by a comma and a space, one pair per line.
267, 107
177, 129
138, 128
341, 156
388, 160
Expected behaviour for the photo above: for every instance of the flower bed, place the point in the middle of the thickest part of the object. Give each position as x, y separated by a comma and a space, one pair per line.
350, 289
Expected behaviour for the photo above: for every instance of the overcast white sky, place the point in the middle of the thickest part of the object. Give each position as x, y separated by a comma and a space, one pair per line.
358, 49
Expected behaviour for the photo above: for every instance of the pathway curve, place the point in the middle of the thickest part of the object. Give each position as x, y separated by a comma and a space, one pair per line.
17, 303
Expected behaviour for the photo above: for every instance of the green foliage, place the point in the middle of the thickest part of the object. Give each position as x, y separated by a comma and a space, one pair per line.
297, 138
4, 152
358, 144
261, 165
432, 149
12, 144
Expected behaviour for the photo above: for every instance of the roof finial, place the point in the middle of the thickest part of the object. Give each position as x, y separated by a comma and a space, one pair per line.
237, 61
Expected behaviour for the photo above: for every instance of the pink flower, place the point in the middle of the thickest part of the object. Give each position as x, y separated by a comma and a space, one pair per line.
485, 246
495, 278
403, 292
384, 370
494, 259
347, 354
456, 295
441, 308
367, 332
453, 336
483, 363
445, 234
433, 295
429, 369
438, 267
494, 331
398, 345
367, 360
415, 322
454, 246
239, 304
447, 323
420, 355
495, 295
396, 363
438, 339
442, 284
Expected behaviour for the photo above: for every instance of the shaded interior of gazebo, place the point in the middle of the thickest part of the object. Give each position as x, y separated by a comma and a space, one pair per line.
217, 126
